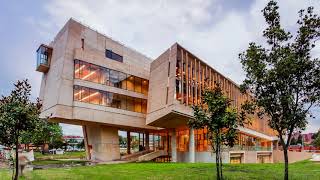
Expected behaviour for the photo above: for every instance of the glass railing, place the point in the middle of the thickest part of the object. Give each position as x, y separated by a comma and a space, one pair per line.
250, 148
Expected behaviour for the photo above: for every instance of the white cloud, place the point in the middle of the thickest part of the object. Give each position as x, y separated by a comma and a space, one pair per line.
215, 34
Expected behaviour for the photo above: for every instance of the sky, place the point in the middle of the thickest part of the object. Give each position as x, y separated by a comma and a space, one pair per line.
216, 31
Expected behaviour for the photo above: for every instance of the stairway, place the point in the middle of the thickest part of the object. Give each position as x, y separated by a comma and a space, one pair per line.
134, 157
152, 155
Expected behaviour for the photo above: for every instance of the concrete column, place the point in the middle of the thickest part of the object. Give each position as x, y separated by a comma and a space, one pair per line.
104, 141
191, 146
85, 138
174, 146
128, 143
147, 141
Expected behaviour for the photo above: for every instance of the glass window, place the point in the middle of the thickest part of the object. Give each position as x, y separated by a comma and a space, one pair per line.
145, 86
144, 106
137, 84
115, 102
137, 105
76, 69
130, 83
104, 76
113, 56
85, 95
122, 80
123, 102
77, 93
108, 54
114, 78
95, 96
95, 74
101, 75
130, 103
85, 71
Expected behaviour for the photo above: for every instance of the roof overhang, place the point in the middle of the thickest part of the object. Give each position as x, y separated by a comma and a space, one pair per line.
173, 119
257, 134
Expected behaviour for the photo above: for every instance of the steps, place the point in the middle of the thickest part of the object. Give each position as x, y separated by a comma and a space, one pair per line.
152, 155
134, 157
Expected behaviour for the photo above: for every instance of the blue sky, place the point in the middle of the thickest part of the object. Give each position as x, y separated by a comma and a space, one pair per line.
215, 30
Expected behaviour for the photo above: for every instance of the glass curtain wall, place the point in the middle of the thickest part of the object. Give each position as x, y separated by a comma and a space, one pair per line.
109, 99
109, 77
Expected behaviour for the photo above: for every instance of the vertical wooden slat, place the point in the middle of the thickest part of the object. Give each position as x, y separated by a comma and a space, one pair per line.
191, 81
196, 80
187, 79
182, 77
200, 88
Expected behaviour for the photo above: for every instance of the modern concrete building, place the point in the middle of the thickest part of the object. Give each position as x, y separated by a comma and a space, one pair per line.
91, 80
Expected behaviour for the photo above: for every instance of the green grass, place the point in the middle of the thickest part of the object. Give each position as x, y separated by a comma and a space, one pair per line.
299, 171
66, 155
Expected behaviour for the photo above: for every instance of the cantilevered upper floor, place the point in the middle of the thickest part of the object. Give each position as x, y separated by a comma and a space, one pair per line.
90, 78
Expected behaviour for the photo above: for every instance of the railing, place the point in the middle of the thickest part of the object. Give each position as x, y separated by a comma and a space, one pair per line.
250, 148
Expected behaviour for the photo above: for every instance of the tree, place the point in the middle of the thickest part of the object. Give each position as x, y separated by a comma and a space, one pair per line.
316, 141
282, 75
80, 145
17, 115
72, 142
299, 140
293, 141
44, 133
216, 114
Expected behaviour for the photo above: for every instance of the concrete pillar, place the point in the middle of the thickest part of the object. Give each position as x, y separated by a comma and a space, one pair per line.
143, 139
147, 141
104, 141
191, 146
174, 146
85, 138
128, 143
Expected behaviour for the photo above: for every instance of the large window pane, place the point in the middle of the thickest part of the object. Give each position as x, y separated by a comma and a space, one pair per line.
114, 75
116, 101
145, 86
94, 74
123, 102
144, 106
84, 70
76, 69
137, 105
122, 80
77, 93
95, 96
85, 95
130, 103
130, 83
137, 84
119, 101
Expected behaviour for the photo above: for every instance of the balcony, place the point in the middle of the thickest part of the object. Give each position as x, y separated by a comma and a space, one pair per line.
44, 53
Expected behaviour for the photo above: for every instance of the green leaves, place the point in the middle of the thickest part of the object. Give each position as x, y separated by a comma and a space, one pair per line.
217, 115
17, 114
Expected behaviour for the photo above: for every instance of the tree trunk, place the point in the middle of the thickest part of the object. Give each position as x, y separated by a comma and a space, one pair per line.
286, 162
217, 166
16, 177
220, 160
217, 162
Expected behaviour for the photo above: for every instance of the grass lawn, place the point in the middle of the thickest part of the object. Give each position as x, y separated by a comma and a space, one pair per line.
66, 155
301, 170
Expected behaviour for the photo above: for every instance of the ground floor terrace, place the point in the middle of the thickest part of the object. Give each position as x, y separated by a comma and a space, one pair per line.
106, 143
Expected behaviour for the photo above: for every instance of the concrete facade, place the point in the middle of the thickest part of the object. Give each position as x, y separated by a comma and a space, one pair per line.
84, 85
